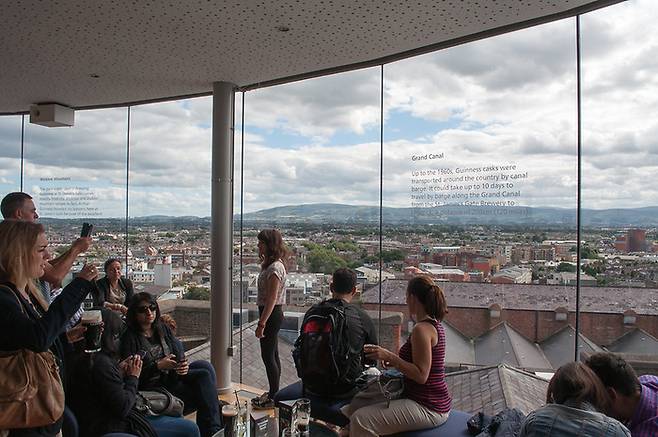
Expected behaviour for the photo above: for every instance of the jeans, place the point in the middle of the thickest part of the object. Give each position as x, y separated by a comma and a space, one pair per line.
269, 348
167, 426
198, 391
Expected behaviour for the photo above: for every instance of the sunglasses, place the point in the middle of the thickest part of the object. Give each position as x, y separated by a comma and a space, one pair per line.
145, 309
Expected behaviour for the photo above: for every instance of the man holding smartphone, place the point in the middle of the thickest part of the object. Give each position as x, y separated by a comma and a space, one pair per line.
20, 206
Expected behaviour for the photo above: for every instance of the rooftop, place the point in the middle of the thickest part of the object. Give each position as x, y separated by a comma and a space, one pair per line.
559, 347
637, 342
491, 389
528, 297
248, 355
503, 344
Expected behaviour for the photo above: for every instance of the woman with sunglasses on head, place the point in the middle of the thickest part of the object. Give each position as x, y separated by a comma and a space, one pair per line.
165, 365
27, 321
104, 392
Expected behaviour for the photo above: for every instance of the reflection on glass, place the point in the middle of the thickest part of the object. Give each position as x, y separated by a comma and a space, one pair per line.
169, 199
480, 192
10, 154
311, 170
619, 165
78, 175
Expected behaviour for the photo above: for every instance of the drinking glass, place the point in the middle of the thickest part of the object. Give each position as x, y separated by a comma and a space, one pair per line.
303, 416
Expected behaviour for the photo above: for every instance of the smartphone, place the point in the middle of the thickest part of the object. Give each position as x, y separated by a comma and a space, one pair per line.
86, 230
141, 354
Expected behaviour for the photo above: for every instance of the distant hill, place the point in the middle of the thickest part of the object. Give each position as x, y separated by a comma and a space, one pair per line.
328, 213
455, 214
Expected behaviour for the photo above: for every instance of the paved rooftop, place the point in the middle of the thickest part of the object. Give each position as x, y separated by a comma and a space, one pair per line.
253, 371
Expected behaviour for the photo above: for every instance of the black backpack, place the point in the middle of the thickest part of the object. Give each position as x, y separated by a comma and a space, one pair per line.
322, 353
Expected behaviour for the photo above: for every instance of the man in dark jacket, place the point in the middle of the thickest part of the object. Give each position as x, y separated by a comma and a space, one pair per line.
361, 330
20, 206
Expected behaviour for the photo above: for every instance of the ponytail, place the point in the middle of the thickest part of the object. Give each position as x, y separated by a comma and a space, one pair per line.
429, 295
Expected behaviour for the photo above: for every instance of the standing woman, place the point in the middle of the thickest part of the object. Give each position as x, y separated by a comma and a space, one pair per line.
271, 296
27, 321
426, 400
114, 292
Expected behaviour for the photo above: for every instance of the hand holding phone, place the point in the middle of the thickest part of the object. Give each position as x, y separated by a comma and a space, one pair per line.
86, 230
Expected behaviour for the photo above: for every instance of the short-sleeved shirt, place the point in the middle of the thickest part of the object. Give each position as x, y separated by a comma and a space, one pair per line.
279, 270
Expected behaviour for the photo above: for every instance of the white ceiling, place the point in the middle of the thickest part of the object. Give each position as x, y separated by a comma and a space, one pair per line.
146, 50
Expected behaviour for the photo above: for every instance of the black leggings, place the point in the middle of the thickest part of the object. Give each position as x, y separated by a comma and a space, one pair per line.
269, 348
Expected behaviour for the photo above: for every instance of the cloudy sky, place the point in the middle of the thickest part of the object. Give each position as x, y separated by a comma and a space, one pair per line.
506, 100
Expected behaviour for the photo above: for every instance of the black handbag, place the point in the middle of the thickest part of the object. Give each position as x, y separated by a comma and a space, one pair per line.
138, 425
159, 402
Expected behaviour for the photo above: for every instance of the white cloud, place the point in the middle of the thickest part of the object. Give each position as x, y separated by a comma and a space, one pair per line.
507, 99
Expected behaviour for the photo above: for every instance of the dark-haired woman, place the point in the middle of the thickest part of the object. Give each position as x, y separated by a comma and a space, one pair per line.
426, 400
113, 291
165, 364
104, 392
271, 296
576, 406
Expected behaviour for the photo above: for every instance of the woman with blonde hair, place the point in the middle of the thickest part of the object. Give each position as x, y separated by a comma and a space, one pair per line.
33, 324
271, 296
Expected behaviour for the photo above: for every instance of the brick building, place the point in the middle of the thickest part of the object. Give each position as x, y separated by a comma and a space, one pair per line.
535, 311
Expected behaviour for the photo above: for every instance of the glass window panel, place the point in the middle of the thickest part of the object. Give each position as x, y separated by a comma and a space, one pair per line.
78, 174
240, 280
311, 169
620, 127
10, 154
480, 191
169, 203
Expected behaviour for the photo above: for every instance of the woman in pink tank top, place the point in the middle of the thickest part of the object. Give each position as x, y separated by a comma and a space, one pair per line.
426, 400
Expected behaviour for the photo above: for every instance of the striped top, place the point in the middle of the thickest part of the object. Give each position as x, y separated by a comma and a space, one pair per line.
434, 393
644, 422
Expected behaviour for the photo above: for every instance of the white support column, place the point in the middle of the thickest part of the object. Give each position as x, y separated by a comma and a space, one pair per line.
221, 232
